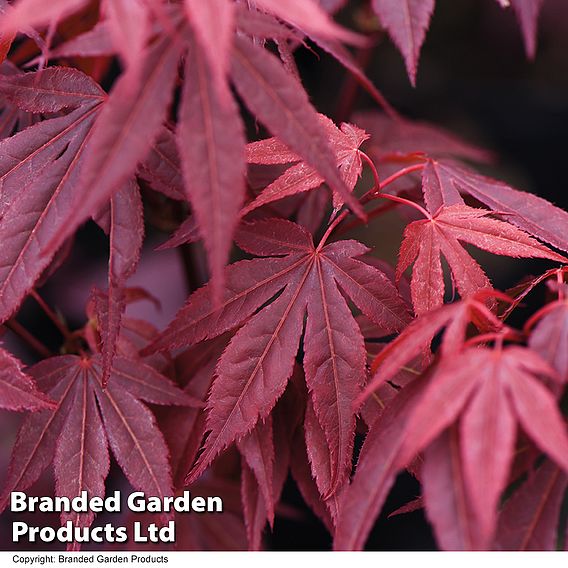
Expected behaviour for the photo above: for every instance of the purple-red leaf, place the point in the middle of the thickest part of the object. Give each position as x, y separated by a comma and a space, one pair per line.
254, 369
51, 90
424, 241
530, 518
81, 461
73, 430
301, 177
529, 212
17, 390
550, 337
334, 365
448, 505
211, 145
40, 166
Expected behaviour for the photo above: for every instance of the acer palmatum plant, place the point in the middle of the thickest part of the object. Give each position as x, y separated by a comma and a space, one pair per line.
297, 343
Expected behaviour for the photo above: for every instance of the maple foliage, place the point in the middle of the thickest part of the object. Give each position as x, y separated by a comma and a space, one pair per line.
301, 357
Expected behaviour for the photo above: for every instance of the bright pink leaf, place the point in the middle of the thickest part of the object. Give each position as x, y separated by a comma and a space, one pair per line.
527, 13
307, 16
213, 24
32, 13
406, 22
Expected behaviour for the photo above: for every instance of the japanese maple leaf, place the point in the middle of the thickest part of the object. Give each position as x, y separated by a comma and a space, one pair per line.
255, 367
345, 142
18, 390
39, 211
86, 419
425, 241
464, 413
130, 119
38, 171
487, 391
444, 181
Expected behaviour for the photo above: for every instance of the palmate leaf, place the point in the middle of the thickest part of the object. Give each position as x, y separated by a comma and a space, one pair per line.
271, 94
300, 177
425, 241
491, 390
77, 432
444, 179
39, 169
464, 413
255, 367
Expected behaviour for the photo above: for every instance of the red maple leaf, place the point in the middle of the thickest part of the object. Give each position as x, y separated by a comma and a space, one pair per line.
86, 419
254, 369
